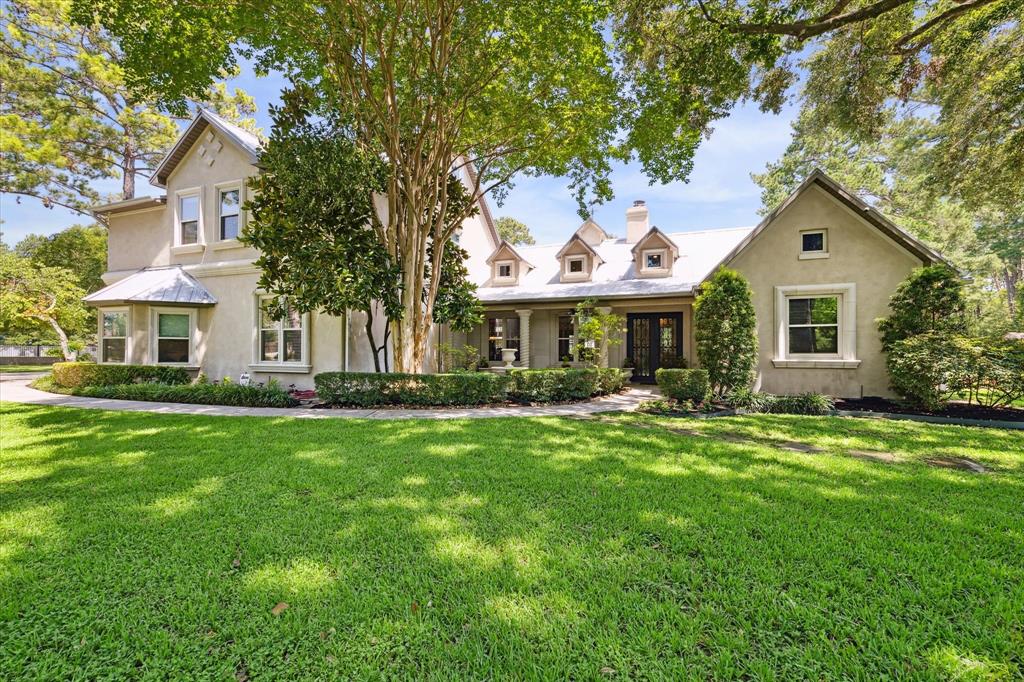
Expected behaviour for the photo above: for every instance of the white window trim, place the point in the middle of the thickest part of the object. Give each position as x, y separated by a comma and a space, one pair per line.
497, 271
846, 358
154, 330
570, 259
812, 255
303, 366
200, 244
239, 184
128, 334
654, 252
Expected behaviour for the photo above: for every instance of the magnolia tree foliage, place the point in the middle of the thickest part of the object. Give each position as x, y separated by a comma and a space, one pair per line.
725, 330
931, 299
40, 296
311, 221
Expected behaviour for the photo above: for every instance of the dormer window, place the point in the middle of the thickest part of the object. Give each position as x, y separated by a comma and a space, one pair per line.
654, 255
654, 260
504, 270
813, 244
575, 265
507, 266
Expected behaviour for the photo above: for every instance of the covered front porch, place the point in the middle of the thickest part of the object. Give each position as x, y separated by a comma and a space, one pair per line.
657, 333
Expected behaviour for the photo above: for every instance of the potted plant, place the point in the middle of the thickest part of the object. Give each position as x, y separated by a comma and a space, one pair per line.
508, 356
628, 365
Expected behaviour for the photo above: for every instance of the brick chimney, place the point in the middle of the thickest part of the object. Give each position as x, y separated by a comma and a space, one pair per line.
637, 223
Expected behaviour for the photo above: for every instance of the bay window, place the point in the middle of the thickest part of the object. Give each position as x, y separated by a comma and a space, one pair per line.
173, 334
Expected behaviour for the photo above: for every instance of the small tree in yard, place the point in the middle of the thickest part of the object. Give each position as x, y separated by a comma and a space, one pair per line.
596, 331
726, 331
38, 296
931, 299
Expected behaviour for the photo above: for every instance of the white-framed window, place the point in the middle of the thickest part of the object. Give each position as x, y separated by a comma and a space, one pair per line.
505, 270
654, 259
114, 335
188, 217
173, 332
502, 332
813, 244
816, 326
813, 326
575, 265
283, 341
229, 211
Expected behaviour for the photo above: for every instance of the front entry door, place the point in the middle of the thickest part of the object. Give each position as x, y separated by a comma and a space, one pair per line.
653, 340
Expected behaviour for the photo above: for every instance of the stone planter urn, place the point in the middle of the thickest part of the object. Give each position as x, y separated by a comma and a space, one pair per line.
508, 356
627, 374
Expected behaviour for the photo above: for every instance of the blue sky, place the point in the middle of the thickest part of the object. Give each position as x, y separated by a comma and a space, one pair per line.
719, 192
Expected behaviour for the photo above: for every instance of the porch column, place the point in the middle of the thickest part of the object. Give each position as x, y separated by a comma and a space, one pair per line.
603, 357
524, 337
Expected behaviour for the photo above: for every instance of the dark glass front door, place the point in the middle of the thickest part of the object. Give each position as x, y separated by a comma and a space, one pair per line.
653, 340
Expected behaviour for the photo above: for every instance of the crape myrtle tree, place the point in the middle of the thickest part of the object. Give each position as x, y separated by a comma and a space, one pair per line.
311, 221
725, 329
505, 88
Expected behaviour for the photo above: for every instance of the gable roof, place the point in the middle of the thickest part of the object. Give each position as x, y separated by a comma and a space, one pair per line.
469, 179
506, 246
169, 285
655, 231
576, 239
847, 198
588, 223
246, 141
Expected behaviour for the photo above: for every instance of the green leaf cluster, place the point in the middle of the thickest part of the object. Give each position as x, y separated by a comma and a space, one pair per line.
725, 330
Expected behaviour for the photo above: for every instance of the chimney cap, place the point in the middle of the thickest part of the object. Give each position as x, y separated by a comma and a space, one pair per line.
639, 202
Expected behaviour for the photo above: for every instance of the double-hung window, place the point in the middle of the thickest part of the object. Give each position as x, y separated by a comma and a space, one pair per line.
114, 336
502, 332
230, 201
188, 219
173, 331
814, 325
282, 333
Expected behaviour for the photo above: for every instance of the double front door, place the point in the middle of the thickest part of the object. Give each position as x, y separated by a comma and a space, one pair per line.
653, 340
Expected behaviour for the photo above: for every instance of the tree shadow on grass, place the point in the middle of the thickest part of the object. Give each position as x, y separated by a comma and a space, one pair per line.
503, 548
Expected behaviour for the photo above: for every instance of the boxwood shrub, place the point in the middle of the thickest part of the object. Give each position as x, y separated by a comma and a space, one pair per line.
76, 374
683, 384
197, 394
366, 389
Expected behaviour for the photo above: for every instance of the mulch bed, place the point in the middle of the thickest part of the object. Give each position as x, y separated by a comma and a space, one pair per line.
956, 410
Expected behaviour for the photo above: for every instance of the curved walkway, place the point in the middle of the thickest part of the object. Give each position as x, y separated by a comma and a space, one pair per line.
18, 391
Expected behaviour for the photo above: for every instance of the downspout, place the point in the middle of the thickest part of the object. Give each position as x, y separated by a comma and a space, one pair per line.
344, 344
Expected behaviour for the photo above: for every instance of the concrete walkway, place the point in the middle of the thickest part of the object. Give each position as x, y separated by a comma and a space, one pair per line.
18, 391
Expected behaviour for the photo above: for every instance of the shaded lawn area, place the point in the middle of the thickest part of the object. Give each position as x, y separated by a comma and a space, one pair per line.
12, 369
156, 546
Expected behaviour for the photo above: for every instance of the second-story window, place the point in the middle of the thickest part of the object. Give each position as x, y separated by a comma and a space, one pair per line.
229, 209
188, 219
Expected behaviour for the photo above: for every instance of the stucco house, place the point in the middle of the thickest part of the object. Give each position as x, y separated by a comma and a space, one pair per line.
183, 291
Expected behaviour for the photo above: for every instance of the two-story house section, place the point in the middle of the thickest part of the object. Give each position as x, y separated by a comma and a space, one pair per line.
184, 291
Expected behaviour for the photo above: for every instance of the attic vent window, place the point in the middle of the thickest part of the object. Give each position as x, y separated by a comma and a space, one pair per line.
814, 244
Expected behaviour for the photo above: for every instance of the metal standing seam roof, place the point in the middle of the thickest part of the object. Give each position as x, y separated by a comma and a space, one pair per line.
169, 285
699, 252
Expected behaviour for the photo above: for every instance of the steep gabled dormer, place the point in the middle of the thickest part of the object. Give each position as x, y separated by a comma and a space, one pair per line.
578, 260
507, 266
654, 254
592, 233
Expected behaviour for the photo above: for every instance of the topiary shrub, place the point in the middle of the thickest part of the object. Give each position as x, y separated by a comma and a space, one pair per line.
683, 384
725, 329
931, 299
76, 374
558, 385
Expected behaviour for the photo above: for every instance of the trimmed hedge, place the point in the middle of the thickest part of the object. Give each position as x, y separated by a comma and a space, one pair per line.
366, 389
196, 394
77, 374
683, 384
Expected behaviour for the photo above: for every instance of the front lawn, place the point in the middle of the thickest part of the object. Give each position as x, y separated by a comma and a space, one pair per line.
10, 369
138, 545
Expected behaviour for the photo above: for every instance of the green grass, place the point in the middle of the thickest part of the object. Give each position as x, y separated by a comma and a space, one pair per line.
503, 548
5, 369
